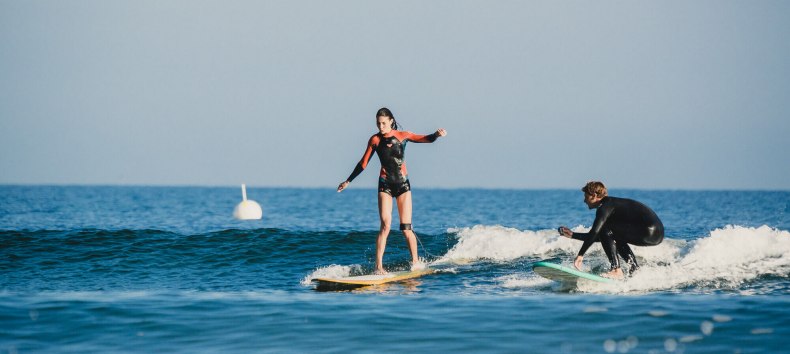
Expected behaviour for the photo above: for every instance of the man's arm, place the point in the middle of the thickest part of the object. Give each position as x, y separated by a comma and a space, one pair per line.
601, 215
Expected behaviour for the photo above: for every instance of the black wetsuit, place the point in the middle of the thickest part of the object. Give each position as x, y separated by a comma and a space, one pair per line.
618, 222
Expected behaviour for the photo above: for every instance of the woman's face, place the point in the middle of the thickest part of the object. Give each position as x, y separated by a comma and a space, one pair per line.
384, 124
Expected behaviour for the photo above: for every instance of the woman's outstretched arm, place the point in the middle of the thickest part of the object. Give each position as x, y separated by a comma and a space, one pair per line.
361, 164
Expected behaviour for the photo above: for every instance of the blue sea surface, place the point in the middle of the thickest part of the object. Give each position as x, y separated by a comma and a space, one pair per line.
168, 269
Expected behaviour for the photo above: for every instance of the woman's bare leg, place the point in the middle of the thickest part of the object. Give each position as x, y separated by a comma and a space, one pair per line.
385, 214
404, 211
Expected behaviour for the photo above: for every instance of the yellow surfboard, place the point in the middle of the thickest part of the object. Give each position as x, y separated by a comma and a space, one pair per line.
372, 279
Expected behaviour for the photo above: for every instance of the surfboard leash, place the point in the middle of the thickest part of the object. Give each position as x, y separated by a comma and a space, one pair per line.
424, 250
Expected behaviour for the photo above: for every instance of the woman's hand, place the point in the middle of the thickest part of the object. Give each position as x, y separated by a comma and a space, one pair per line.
578, 262
342, 186
441, 132
564, 231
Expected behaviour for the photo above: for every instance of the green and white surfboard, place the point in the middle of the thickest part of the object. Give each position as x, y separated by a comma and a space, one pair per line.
564, 274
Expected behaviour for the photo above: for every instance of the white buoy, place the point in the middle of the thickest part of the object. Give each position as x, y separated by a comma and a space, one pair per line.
247, 209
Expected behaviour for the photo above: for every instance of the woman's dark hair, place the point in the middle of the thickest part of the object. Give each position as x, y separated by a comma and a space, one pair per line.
385, 112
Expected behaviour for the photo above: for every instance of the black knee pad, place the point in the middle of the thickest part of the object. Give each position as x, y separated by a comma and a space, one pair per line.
405, 227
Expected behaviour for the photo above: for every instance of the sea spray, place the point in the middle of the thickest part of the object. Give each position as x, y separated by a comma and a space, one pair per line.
724, 259
332, 271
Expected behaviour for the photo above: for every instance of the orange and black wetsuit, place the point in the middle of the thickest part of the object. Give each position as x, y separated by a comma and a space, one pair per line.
618, 222
393, 179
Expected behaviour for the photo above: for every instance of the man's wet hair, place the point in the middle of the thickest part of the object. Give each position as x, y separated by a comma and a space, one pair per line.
595, 188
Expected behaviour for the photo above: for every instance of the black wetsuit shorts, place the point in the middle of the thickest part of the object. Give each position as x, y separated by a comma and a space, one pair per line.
394, 189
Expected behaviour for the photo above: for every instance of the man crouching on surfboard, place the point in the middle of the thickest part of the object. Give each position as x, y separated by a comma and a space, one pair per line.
618, 222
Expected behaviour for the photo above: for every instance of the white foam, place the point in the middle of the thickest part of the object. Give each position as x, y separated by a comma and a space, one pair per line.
332, 271
726, 258
523, 281
499, 243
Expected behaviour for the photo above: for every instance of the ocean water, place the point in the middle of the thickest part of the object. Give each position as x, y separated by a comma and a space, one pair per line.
167, 269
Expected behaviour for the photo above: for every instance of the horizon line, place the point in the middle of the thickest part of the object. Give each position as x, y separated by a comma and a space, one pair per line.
141, 185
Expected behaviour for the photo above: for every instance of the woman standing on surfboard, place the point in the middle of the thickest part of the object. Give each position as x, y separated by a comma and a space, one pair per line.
390, 144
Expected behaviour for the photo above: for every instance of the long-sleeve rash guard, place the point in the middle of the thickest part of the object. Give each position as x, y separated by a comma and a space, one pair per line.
391, 149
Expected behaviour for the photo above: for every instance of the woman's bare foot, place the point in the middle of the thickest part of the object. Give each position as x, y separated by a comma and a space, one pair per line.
380, 272
415, 266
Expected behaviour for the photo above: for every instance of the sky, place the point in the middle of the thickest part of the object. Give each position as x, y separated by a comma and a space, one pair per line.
533, 94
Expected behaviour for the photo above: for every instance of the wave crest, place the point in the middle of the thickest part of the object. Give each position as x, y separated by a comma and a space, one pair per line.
726, 258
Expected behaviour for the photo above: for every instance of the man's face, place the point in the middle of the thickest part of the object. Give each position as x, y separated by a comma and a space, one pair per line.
592, 201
